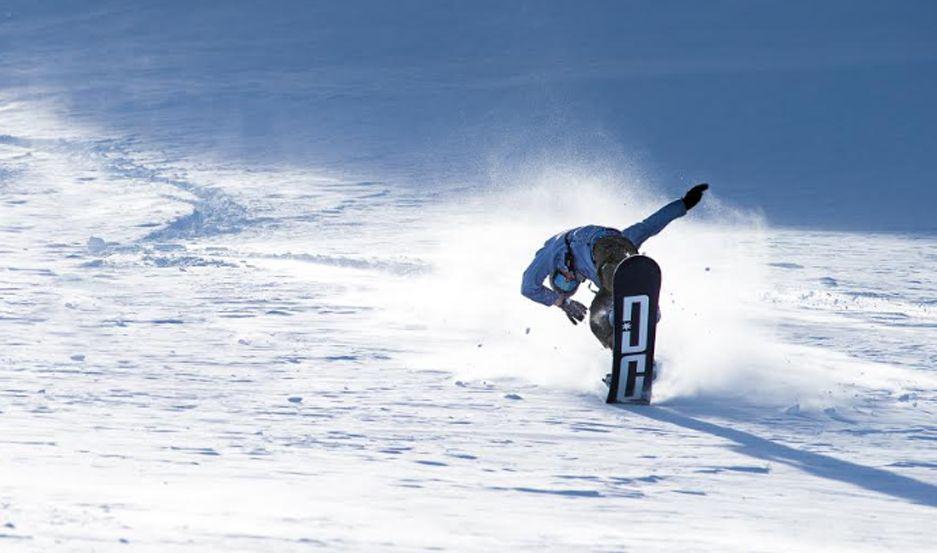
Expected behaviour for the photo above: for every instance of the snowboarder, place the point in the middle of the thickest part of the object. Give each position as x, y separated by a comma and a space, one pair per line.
592, 253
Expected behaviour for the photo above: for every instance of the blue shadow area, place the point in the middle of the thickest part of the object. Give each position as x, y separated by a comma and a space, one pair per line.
821, 114
823, 466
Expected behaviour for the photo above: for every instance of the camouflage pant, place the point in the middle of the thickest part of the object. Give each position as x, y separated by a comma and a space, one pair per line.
608, 253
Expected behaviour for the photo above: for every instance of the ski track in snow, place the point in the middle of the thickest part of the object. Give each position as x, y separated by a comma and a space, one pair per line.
201, 357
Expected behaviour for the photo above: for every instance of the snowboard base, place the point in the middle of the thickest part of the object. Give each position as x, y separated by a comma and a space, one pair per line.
634, 324
607, 380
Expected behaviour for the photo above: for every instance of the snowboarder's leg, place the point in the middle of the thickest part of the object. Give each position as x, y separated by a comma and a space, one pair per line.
600, 317
608, 252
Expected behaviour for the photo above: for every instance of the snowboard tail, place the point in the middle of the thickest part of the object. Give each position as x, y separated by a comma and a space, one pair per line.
634, 325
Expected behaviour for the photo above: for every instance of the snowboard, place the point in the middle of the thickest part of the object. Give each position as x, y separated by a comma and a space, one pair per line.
634, 324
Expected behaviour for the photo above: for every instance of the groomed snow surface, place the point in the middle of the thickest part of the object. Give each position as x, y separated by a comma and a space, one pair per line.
212, 357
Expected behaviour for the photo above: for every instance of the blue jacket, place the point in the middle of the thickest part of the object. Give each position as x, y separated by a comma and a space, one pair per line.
552, 255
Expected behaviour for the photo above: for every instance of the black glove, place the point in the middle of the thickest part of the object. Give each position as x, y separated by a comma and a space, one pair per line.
694, 195
574, 310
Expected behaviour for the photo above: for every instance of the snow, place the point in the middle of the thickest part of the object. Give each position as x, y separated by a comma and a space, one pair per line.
252, 379
204, 351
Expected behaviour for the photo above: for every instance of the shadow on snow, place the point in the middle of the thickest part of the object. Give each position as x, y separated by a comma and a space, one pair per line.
873, 479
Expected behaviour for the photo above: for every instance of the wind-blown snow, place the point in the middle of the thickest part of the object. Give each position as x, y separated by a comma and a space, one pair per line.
201, 356
260, 269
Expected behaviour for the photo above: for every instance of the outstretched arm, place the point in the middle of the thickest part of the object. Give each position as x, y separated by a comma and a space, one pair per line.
649, 227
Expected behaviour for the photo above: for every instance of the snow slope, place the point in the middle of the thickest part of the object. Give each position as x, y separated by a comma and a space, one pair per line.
260, 269
215, 356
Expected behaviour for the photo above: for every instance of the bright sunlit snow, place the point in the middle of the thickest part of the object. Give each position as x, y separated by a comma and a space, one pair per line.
202, 351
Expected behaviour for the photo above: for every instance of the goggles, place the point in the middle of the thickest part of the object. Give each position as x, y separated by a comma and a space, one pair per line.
563, 284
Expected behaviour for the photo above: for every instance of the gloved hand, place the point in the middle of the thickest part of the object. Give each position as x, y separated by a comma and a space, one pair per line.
694, 195
574, 310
